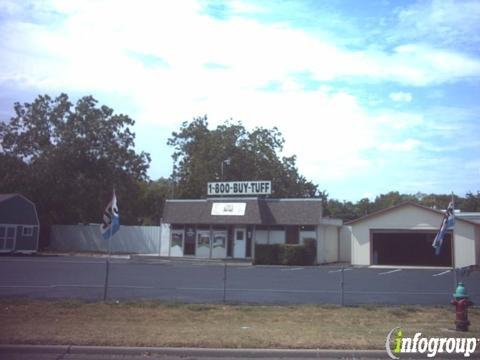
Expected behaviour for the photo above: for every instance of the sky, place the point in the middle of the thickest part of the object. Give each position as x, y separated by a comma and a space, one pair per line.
371, 96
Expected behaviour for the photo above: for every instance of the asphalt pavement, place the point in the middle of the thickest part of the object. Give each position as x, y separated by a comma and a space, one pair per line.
77, 277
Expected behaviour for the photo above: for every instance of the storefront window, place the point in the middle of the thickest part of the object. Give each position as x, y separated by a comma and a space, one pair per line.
176, 244
219, 245
203, 243
203, 240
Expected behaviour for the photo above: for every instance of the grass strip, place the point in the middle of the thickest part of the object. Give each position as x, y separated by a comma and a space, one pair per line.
158, 324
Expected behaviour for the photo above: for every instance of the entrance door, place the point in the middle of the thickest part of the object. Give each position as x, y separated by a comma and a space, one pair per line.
239, 242
189, 247
7, 238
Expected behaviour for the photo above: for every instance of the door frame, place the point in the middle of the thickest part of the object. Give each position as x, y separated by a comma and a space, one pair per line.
3, 246
244, 230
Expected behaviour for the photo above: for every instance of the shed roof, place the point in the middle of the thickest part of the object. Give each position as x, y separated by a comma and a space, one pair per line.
4, 197
258, 211
407, 203
17, 212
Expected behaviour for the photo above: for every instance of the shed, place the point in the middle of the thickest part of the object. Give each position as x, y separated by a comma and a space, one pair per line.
403, 235
19, 225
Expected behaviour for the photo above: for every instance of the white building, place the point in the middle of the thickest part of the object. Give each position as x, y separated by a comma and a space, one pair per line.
403, 235
230, 227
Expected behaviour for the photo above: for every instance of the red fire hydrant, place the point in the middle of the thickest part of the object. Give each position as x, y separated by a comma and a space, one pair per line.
461, 303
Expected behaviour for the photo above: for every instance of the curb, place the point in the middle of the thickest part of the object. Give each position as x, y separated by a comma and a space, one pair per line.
195, 352
64, 350
179, 260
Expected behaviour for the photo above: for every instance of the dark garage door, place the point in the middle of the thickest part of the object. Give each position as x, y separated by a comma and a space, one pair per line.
409, 248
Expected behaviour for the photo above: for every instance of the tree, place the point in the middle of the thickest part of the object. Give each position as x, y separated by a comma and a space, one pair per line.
152, 200
199, 153
345, 210
471, 202
67, 159
390, 199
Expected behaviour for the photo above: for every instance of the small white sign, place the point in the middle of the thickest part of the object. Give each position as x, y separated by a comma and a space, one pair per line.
240, 188
229, 209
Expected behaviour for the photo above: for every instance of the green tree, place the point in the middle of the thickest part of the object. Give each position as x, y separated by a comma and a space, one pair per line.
390, 199
471, 202
344, 210
199, 153
152, 200
69, 157
364, 207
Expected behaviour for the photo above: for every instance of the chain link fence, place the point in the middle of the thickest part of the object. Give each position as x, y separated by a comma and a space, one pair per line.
204, 282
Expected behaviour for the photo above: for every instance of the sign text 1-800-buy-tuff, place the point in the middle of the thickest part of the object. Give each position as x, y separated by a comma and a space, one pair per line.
240, 188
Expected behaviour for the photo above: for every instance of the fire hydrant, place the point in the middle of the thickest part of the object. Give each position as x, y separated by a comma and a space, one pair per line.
461, 303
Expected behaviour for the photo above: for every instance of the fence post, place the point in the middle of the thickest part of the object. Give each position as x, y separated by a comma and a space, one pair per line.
225, 283
342, 283
105, 287
455, 281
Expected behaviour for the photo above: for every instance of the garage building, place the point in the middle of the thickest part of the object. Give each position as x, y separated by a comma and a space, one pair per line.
403, 235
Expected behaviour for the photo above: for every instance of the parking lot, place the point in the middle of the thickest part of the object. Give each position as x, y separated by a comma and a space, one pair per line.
74, 277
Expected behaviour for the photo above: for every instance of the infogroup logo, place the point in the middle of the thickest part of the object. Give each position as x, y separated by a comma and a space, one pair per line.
397, 344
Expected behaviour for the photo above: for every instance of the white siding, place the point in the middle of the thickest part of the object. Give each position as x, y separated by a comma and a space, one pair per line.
464, 244
410, 217
327, 244
331, 244
345, 244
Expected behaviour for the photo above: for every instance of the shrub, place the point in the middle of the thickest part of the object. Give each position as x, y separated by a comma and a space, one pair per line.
311, 250
285, 254
293, 254
267, 254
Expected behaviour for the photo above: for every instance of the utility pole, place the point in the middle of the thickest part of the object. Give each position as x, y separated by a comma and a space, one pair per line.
226, 161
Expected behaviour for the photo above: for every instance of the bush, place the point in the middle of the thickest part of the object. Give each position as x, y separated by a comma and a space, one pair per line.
311, 250
285, 254
293, 254
267, 254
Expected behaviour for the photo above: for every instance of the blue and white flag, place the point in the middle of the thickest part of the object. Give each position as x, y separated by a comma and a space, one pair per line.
111, 219
448, 223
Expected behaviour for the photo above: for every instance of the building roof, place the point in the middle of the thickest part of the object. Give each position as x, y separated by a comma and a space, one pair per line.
15, 212
471, 216
407, 203
4, 197
258, 211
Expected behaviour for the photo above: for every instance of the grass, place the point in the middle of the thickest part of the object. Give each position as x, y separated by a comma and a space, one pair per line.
152, 323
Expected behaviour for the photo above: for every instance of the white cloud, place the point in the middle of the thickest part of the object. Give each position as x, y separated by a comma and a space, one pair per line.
446, 22
405, 146
86, 52
474, 166
332, 134
401, 96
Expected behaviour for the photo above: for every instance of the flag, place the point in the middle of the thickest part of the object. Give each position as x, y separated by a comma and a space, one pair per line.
111, 219
448, 223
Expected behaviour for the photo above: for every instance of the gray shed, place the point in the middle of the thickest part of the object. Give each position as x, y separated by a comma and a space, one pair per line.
19, 225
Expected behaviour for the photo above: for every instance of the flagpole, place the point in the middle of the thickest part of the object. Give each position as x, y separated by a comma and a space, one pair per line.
107, 265
454, 266
107, 269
